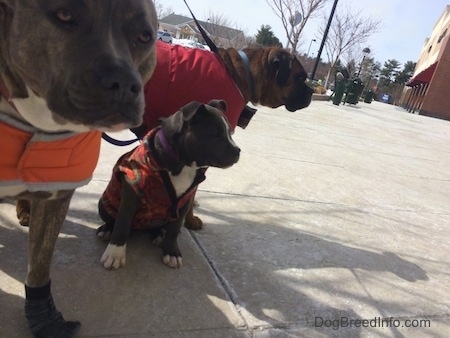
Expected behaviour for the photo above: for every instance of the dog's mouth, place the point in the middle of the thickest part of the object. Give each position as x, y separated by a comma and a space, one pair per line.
223, 162
107, 122
97, 113
299, 100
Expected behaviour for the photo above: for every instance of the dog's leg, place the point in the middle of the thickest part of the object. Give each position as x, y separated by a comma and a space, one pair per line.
171, 252
23, 212
115, 254
104, 231
192, 222
47, 217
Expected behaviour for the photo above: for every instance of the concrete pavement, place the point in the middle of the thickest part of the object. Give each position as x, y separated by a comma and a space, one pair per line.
334, 223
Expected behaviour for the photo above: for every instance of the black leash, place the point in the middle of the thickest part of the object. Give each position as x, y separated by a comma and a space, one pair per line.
205, 36
213, 48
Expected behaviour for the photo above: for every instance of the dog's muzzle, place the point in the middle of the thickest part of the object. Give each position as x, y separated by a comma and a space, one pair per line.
103, 95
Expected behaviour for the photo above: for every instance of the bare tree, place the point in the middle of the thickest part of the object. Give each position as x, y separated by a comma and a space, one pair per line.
348, 32
161, 10
286, 9
223, 31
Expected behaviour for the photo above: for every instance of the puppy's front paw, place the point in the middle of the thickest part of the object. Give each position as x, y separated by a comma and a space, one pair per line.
172, 261
114, 256
171, 253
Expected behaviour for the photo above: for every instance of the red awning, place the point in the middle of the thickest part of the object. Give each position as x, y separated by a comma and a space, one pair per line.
424, 76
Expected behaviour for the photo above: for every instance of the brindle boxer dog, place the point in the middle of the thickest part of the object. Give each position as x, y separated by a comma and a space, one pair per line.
271, 77
67, 70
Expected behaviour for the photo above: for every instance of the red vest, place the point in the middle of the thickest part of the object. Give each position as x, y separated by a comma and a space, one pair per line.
185, 74
151, 183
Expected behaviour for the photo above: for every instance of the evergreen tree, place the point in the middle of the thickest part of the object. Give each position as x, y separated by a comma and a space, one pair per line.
408, 70
265, 37
389, 72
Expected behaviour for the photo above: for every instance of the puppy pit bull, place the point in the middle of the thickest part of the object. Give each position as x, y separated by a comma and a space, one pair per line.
153, 185
68, 69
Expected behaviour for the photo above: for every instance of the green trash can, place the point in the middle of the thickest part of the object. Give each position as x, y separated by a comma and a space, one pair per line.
353, 91
339, 89
368, 97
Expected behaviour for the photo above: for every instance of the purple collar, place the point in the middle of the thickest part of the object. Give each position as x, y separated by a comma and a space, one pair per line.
165, 145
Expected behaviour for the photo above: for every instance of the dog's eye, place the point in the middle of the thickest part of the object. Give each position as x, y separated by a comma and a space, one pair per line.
64, 16
309, 83
300, 79
145, 37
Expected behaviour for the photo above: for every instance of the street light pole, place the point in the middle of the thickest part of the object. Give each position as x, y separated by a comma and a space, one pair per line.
319, 53
366, 52
313, 40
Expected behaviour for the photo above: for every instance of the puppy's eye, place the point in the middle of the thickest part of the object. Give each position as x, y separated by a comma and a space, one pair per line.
65, 16
145, 37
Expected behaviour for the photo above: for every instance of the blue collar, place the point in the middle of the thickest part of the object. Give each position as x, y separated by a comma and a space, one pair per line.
246, 62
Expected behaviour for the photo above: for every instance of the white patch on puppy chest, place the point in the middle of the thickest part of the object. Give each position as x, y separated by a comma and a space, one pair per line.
184, 179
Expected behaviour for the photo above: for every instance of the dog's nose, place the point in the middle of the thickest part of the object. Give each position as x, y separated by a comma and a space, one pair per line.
120, 83
236, 153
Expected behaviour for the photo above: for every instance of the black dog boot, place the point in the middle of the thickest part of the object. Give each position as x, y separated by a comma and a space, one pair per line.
44, 320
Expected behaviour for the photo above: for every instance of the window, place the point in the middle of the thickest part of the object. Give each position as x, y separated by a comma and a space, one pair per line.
442, 35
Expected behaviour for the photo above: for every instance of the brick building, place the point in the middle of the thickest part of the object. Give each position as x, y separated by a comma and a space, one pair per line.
428, 91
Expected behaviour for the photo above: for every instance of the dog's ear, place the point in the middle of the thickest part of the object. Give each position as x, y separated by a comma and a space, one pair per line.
190, 109
174, 123
281, 62
219, 104
16, 87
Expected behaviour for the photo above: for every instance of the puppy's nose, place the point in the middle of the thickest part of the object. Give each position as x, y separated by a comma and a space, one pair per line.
236, 151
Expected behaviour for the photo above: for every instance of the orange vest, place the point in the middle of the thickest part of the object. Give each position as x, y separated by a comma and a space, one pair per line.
45, 161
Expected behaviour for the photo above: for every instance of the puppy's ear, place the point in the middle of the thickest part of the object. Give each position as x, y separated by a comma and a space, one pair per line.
219, 104
281, 62
190, 109
174, 123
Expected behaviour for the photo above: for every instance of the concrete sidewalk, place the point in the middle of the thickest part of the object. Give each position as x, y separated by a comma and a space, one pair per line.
334, 215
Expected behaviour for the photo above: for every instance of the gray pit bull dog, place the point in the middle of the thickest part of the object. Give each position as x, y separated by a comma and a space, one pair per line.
153, 185
67, 70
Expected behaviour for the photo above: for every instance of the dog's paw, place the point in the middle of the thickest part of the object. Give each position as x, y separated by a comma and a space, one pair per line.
172, 261
158, 241
193, 223
23, 212
114, 256
24, 219
171, 253
158, 237
104, 232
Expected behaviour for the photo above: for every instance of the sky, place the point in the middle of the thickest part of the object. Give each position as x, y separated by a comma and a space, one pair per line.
405, 24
